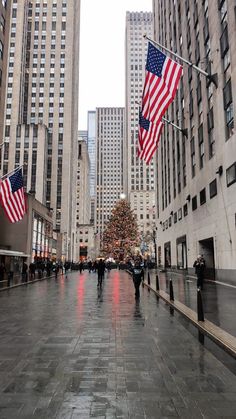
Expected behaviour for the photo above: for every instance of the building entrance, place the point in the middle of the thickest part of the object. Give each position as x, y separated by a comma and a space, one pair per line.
206, 248
167, 254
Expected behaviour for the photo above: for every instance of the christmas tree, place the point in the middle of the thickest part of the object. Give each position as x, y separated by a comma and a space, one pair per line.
121, 233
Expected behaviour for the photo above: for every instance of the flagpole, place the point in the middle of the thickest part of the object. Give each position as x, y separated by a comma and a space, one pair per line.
13, 171
212, 77
183, 130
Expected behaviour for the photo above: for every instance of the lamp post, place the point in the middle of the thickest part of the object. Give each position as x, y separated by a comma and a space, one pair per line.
154, 231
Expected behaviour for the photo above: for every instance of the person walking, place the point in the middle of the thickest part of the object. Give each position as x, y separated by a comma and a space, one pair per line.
138, 277
32, 268
24, 272
100, 269
2, 273
81, 266
200, 266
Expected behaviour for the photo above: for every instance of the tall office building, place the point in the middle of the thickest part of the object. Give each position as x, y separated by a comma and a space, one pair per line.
5, 8
41, 114
139, 177
109, 162
91, 150
197, 175
83, 195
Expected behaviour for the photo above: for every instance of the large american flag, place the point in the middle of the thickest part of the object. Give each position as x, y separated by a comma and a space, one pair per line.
149, 135
12, 196
161, 82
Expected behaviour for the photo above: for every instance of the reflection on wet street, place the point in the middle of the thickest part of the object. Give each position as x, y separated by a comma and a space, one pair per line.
218, 300
71, 350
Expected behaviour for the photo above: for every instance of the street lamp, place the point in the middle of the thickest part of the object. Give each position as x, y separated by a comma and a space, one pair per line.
122, 196
154, 232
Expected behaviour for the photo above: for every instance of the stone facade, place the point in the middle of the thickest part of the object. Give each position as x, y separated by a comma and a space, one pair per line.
196, 185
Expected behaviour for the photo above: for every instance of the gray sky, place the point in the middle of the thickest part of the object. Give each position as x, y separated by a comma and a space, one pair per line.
102, 53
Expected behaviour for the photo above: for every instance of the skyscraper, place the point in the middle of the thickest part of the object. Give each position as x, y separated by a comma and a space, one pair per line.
41, 115
109, 162
5, 8
91, 126
197, 175
139, 177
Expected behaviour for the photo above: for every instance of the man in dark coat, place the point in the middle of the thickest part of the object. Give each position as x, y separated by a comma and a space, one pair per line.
138, 277
101, 270
199, 266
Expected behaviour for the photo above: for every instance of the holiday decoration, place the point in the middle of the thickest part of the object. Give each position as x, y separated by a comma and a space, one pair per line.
121, 233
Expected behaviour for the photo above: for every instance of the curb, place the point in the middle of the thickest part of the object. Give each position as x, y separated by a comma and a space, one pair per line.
28, 282
215, 333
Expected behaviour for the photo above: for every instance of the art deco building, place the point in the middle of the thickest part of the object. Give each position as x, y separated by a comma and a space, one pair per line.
139, 178
91, 150
5, 8
41, 113
83, 195
197, 175
109, 162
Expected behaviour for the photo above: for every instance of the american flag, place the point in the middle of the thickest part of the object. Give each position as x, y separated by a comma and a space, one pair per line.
12, 196
161, 82
149, 134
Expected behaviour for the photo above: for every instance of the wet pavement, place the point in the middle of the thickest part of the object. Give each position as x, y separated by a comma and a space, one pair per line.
69, 350
219, 300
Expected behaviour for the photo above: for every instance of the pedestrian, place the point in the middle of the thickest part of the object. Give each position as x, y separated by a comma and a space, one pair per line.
90, 265
24, 272
2, 273
80, 266
200, 266
32, 268
100, 269
56, 270
138, 277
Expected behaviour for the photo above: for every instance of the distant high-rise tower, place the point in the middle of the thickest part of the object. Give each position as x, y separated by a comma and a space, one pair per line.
91, 126
139, 177
41, 115
5, 8
109, 162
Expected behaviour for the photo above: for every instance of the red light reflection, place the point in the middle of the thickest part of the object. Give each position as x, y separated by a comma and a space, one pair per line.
80, 296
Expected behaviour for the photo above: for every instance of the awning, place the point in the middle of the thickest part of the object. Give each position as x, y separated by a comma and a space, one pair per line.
4, 252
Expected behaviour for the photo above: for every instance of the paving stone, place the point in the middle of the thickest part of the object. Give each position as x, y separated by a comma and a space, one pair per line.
67, 352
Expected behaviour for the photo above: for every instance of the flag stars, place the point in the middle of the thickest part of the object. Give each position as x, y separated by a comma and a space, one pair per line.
155, 60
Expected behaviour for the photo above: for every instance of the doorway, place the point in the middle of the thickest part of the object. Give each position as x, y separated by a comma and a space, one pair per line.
206, 248
167, 248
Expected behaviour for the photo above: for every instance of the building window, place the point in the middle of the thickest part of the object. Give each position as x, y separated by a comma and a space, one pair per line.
193, 160
213, 188
210, 125
201, 146
180, 214
194, 203
185, 210
203, 196
228, 107
175, 217
231, 174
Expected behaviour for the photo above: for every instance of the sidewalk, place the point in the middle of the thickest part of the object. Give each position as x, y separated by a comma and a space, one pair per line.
69, 350
218, 299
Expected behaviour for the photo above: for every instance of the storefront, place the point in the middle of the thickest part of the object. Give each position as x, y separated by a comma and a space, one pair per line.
12, 262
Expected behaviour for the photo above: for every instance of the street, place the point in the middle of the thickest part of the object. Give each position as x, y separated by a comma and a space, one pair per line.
69, 350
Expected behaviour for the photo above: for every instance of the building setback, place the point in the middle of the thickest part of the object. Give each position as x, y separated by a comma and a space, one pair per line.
139, 178
109, 163
42, 98
197, 175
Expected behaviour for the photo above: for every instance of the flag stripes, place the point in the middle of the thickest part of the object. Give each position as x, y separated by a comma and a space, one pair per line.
12, 197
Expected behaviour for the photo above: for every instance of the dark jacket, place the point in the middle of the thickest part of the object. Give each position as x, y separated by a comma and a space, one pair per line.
199, 266
138, 274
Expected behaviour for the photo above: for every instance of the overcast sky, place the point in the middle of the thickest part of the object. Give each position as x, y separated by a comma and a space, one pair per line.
102, 53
